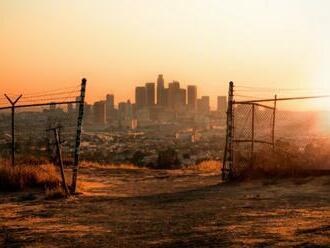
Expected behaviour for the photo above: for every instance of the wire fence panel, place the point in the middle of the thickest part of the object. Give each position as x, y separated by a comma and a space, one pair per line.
253, 128
34, 118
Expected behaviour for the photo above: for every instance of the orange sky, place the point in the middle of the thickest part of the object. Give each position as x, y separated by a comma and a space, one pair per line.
117, 45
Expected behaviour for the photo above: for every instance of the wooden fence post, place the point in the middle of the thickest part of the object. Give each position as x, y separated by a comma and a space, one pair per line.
77, 144
59, 154
274, 122
228, 156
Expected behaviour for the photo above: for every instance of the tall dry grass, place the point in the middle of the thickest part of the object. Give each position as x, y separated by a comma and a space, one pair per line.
207, 166
20, 177
288, 160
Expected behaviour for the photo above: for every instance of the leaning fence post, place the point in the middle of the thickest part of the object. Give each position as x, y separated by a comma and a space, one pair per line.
13, 127
274, 121
77, 144
228, 156
59, 153
252, 133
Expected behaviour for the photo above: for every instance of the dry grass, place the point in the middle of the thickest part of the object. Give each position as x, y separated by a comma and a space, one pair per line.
207, 166
94, 165
21, 177
55, 193
287, 161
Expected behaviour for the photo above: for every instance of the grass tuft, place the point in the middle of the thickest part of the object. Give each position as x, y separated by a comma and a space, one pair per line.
20, 177
55, 193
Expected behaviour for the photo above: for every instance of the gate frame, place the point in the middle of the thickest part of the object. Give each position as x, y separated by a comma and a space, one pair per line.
228, 156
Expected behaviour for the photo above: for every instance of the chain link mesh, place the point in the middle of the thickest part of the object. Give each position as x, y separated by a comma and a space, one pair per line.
253, 129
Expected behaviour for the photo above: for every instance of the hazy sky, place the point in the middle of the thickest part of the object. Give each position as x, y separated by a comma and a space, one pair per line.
119, 44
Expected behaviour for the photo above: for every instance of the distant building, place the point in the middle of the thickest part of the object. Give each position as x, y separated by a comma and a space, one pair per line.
88, 112
110, 107
203, 104
192, 97
99, 110
125, 110
161, 97
173, 95
140, 97
110, 101
183, 98
222, 104
150, 94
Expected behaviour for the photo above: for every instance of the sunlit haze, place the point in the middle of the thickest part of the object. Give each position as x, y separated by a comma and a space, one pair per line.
118, 45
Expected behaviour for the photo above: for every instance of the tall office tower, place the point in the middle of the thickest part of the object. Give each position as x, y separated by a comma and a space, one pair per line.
161, 101
87, 111
110, 106
222, 104
183, 98
192, 97
165, 97
125, 110
150, 94
110, 101
203, 104
140, 97
173, 94
99, 110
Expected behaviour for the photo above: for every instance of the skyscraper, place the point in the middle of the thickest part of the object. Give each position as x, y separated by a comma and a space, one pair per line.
222, 104
99, 110
192, 97
203, 104
150, 94
110, 101
125, 110
161, 101
183, 98
173, 95
110, 106
140, 97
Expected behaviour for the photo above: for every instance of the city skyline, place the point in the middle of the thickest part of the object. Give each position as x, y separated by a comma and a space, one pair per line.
115, 44
140, 93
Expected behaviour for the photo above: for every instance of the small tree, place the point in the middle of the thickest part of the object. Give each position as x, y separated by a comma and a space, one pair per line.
168, 159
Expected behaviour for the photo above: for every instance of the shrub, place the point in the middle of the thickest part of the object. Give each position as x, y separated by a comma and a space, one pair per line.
15, 178
287, 160
168, 159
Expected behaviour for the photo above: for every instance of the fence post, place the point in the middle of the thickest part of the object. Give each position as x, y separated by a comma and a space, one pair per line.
253, 128
252, 133
228, 156
77, 145
59, 154
13, 127
274, 121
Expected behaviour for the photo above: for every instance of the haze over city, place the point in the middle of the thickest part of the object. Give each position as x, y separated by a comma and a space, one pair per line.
120, 44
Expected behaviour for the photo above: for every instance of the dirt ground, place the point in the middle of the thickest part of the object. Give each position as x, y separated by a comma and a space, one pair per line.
125, 207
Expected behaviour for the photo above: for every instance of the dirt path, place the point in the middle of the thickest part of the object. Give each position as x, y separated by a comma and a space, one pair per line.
145, 208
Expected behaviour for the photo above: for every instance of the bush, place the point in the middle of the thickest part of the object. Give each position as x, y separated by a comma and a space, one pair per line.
168, 159
16, 178
287, 160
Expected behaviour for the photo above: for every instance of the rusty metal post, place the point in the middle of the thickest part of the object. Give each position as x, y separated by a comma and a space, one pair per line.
77, 145
13, 148
252, 130
59, 154
228, 156
274, 122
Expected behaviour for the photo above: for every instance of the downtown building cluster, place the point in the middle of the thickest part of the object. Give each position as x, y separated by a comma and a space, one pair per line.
155, 104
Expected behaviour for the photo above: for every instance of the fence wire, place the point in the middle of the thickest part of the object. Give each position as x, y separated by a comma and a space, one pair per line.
34, 141
297, 127
253, 129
